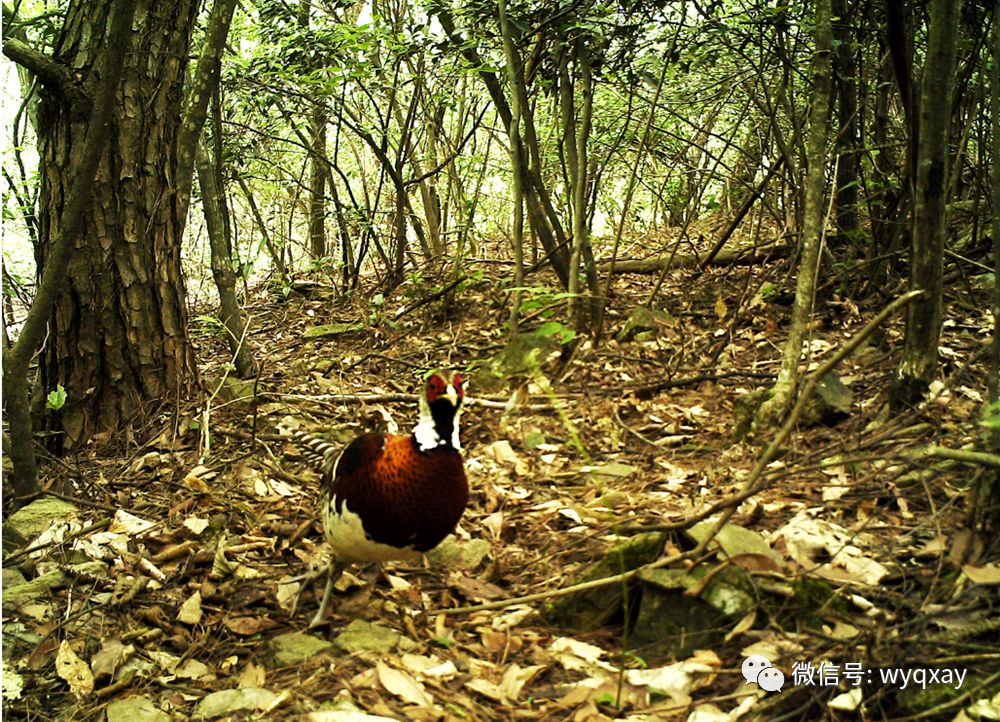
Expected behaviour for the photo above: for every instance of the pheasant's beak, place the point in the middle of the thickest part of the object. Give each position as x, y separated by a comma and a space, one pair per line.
452, 395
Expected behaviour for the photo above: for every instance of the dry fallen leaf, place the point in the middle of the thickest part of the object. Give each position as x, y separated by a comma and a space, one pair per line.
74, 670
247, 626
403, 685
253, 675
112, 654
988, 574
190, 611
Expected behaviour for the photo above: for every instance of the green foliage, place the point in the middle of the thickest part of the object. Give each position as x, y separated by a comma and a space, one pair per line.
378, 301
555, 330
543, 299
56, 399
991, 417
209, 324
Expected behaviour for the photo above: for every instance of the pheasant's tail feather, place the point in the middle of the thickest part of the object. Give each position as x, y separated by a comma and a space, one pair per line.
317, 453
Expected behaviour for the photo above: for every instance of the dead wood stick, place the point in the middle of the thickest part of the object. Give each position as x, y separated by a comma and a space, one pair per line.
964, 455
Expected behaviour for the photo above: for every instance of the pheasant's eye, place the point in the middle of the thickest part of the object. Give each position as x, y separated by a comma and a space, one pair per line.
457, 383
435, 387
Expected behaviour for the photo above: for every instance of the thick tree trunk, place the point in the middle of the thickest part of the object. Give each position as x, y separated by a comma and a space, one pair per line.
118, 332
923, 316
16, 358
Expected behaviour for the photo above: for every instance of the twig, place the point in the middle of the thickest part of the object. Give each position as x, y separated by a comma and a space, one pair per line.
429, 299
582, 586
756, 481
754, 484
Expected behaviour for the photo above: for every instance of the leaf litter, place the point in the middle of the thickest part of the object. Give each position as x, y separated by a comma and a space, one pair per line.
192, 578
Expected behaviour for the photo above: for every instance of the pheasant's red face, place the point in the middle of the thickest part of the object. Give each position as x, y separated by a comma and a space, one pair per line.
437, 386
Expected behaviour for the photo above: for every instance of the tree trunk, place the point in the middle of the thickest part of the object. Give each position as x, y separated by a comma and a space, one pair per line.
514, 74
772, 410
923, 316
220, 243
118, 332
317, 182
317, 155
17, 358
845, 74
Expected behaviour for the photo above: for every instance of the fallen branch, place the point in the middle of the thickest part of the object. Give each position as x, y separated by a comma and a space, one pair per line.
967, 456
683, 260
397, 399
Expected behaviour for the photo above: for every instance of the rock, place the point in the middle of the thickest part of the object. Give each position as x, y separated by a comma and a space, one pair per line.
43, 585
362, 636
12, 577
238, 393
286, 650
38, 587
27, 523
830, 402
745, 410
677, 615
525, 352
532, 439
736, 541
593, 608
452, 554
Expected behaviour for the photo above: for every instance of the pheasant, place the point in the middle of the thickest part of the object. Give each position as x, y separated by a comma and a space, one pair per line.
389, 497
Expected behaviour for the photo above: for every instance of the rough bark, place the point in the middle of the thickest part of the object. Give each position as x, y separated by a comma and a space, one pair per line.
89, 153
929, 220
118, 332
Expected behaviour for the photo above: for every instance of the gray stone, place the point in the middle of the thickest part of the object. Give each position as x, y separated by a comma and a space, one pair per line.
25, 524
591, 609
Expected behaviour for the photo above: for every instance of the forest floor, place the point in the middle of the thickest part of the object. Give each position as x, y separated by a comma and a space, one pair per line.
631, 434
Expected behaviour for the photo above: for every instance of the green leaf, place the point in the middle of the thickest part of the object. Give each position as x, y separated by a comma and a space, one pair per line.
56, 399
554, 329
